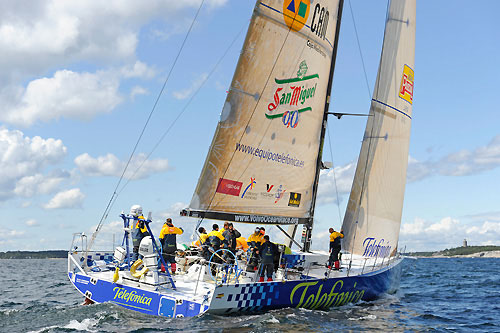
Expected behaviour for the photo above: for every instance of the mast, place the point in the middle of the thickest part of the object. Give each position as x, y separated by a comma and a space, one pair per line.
309, 226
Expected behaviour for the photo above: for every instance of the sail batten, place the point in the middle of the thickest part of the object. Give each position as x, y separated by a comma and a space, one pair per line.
373, 216
264, 154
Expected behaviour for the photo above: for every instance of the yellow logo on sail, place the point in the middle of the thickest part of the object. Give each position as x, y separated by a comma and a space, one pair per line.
295, 13
406, 88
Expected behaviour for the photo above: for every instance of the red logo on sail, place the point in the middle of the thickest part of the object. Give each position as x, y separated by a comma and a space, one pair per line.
406, 87
227, 186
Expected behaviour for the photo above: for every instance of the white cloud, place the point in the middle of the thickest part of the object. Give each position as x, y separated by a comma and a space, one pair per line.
7, 235
66, 199
55, 35
342, 176
22, 157
137, 90
461, 163
448, 232
486, 228
31, 223
67, 94
445, 225
183, 94
29, 186
110, 165
138, 70
54, 32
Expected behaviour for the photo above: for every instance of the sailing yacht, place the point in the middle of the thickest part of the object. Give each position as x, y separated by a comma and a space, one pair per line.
263, 167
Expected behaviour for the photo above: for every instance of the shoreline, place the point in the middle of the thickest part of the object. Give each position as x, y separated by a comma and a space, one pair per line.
482, 254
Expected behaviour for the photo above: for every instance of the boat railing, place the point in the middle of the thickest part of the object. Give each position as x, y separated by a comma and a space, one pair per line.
368, 266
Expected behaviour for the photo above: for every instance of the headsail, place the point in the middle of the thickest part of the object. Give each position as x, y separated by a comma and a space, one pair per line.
262, 162
373, 217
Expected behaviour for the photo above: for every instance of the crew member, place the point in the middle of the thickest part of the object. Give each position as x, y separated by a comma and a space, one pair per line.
139, 230
255, 240
226, 224
267, 252
215, 237
335, 248
168, 240
203, 242
230, 236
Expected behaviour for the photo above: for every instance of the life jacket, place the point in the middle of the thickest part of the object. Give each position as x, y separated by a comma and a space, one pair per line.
255, 240
335, 239
139, 233
215, 238
168, 238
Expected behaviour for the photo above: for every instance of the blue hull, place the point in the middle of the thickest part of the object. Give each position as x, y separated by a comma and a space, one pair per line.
140, 300
309, 293
251, 297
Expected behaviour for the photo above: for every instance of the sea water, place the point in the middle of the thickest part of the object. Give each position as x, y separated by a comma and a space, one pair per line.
443, 295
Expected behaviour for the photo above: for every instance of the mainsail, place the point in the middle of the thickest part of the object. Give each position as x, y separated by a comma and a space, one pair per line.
262, 163
373, 217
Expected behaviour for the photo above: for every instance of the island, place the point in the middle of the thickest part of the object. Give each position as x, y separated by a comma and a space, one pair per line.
51, 254
487, 251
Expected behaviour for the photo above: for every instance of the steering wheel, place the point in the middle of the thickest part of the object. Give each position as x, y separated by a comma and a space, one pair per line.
224, 272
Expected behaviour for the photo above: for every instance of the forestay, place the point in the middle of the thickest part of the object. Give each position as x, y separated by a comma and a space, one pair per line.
372, 221
262, 161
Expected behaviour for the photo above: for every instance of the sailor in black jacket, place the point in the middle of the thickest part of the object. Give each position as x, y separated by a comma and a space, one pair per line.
267, 252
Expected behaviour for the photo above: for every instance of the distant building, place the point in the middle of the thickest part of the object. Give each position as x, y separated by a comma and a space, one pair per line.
465, 243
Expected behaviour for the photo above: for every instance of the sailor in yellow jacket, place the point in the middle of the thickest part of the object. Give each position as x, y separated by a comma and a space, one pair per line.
335, 248
215, 237
256, 239
139, 229
168, 240
203, 244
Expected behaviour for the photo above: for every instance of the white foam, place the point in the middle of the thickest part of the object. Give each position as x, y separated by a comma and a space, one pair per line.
84, 325
272, 320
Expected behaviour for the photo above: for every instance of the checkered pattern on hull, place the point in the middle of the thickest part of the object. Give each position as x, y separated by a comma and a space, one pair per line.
253, 297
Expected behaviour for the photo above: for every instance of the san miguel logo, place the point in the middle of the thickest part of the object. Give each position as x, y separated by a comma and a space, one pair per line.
291, 96
406, 88
295, 13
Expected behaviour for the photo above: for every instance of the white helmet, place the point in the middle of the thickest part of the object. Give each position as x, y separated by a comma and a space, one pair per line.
136, 210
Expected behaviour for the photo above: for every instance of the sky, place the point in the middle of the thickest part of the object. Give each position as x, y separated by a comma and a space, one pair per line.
78, 81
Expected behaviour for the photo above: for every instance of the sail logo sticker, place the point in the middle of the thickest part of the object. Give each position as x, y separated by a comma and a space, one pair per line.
295, 13
291, 97
250, 186
406, 87
280, 193
294, 200
376, 249
227, 186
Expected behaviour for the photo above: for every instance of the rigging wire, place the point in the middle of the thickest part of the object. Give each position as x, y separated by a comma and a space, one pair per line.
359, 48
114, 195
334, 173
